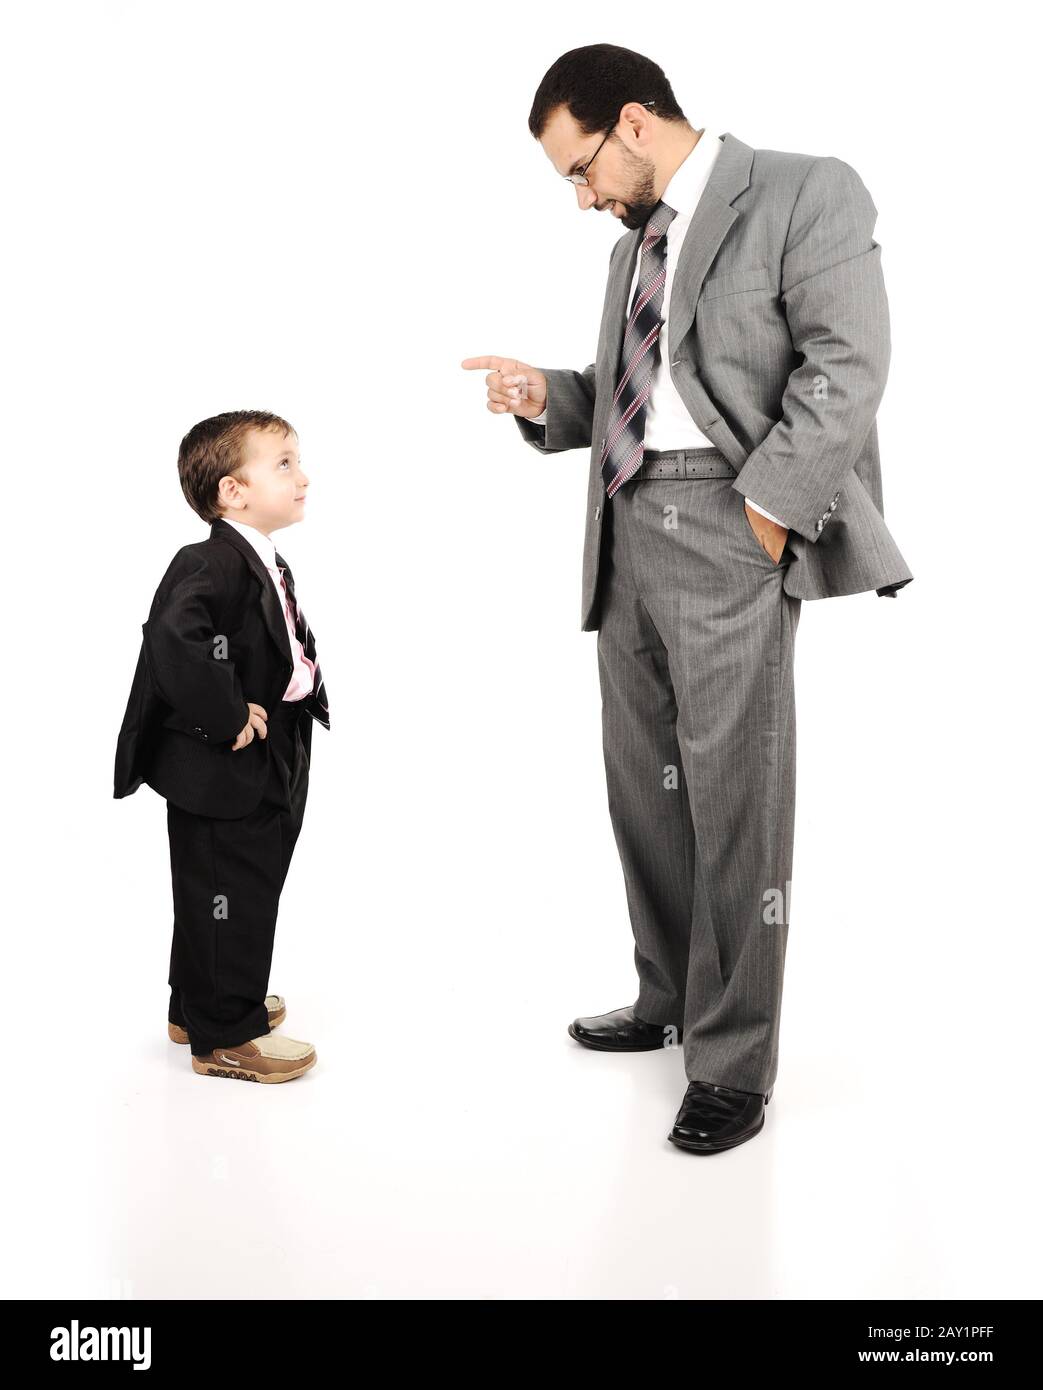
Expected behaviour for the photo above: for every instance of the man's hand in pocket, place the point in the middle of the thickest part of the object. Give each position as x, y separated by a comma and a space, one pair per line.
770, 534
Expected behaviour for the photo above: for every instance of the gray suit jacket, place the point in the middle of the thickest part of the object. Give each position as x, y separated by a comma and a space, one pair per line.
779, 345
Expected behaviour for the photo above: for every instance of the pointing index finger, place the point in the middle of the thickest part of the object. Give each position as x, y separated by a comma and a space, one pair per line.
477, 364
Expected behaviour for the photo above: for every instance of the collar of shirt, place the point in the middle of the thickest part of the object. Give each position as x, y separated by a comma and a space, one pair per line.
264, 545
686, 185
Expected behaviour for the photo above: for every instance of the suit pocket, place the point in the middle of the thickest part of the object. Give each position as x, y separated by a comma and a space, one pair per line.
736, 282
739, 323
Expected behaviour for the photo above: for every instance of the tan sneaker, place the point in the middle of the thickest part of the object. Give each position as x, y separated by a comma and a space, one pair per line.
275, 1004
271, 1058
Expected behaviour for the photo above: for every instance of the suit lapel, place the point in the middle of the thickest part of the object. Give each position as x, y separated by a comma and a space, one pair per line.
710, 224
274, 620
621, 274
613, 321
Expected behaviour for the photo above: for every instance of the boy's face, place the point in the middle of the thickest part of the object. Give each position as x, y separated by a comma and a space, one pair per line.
271, 489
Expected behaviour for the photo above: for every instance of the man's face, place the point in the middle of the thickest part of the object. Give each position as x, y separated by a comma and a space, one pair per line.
273, 485
621, 179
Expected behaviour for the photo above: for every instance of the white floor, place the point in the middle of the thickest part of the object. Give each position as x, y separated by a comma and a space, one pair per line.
451, 1154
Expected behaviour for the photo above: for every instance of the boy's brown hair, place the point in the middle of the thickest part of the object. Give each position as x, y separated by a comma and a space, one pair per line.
213, 449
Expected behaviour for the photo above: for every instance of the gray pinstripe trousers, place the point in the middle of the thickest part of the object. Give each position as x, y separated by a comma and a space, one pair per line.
695, 653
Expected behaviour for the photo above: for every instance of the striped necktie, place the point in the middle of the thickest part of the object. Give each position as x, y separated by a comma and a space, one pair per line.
624, 445
317, 703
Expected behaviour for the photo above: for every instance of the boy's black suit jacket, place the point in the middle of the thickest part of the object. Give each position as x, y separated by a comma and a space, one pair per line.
215, 638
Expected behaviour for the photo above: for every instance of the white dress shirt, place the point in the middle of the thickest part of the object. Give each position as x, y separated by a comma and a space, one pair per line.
302, 681
668, 424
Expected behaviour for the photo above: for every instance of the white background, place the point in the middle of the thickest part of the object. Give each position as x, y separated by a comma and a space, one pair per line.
224, 206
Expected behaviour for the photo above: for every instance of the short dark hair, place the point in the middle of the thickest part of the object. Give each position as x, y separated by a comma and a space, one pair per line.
213, 449
595, 83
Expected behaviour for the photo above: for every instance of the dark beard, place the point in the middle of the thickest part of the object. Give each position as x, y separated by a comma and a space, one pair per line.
642, 201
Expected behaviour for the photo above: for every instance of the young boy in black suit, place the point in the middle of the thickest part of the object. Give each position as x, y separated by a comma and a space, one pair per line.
219, 723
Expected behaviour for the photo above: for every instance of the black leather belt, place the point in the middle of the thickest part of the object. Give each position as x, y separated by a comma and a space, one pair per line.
684, 463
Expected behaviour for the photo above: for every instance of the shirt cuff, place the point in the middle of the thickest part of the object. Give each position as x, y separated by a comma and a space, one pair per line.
777, 522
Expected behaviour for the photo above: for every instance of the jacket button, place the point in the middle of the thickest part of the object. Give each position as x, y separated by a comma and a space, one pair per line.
819, 524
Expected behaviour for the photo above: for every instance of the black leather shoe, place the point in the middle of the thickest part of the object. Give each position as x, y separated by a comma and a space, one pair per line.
621, 1031
714, 1118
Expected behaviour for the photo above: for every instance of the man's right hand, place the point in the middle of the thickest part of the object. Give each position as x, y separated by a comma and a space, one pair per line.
515, 388
258, 720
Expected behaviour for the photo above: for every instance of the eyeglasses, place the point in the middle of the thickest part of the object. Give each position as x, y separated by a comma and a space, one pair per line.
581, 176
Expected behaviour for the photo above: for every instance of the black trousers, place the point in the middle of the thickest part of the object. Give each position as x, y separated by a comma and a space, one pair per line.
227, 877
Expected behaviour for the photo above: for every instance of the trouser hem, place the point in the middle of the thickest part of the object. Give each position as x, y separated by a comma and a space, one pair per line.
235, 1039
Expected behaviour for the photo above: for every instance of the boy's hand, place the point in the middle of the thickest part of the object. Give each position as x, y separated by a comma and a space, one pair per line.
258, 720
515, 388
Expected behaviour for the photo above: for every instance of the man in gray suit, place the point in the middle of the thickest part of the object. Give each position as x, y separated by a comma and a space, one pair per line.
730, 414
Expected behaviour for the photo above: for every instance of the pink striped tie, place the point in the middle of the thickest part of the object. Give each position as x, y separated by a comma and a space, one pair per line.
624, 445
